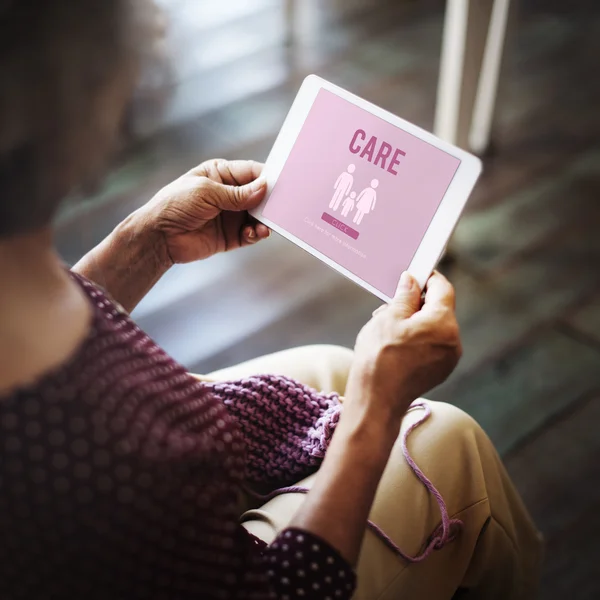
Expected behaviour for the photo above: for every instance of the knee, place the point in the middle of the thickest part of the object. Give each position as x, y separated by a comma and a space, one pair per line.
445, 437
453, 447
452, 425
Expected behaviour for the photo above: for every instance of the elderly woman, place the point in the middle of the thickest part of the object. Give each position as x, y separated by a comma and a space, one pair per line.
123, 476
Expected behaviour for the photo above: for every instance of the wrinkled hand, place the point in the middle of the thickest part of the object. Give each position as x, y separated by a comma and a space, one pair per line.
205, 211
405, 349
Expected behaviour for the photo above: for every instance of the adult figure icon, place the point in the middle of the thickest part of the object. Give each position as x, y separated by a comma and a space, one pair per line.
365, 202
342, 186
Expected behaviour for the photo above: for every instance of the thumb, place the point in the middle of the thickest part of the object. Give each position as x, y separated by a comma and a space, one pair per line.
240, 197
407, 299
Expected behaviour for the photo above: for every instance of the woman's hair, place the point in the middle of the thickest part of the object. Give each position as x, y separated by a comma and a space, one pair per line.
66, 70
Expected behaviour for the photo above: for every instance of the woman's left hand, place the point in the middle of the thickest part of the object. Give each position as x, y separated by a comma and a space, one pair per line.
205, 211
201, 213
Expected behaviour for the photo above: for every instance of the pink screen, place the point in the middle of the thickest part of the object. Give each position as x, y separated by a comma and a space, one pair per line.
360, 190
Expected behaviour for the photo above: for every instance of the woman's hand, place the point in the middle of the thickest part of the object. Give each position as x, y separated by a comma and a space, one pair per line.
199, 214
405, 349
205, 211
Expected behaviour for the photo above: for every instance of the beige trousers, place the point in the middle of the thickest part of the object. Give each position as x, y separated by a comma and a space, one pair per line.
497, 555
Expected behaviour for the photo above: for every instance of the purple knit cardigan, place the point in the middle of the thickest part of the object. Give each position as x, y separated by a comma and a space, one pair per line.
287, 428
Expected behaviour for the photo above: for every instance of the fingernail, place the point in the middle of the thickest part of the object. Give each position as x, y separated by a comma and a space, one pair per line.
251, 233
406, 281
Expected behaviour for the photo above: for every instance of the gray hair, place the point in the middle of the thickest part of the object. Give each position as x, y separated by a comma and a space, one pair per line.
66, 69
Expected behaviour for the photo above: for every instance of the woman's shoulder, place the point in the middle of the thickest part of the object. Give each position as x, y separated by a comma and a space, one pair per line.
121, 383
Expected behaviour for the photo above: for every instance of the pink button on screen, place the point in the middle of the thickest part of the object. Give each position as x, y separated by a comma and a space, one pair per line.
340, 225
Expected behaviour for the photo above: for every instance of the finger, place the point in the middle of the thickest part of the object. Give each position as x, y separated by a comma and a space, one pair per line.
241, 172
262, 231
238, 197
253, 233
407, 299
438, 290
230, 172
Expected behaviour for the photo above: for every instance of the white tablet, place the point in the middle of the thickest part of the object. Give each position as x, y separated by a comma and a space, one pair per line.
368, 193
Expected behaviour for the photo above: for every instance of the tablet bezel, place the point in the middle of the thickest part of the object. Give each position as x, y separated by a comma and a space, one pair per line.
444, 221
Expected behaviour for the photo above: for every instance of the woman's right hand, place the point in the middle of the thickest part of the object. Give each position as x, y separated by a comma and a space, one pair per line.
401, 353
405, 349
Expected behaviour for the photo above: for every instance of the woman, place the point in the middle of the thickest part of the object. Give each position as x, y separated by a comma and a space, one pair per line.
365, 202
122, 475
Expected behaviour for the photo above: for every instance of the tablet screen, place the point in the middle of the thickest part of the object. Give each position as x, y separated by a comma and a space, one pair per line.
360, 190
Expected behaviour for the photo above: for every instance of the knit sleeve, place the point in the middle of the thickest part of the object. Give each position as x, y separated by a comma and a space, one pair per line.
286, 425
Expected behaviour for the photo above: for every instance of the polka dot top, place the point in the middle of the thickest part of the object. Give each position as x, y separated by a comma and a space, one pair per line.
120, 478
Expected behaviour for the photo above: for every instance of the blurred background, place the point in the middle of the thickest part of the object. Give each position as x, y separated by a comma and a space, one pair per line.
525, 258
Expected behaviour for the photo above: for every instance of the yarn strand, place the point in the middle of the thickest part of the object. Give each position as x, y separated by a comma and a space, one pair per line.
445, 532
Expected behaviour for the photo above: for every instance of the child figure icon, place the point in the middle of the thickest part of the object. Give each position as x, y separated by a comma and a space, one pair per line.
348, 204
342, 186
366, 202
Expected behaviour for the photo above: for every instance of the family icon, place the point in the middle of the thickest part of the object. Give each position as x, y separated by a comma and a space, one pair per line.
344, 195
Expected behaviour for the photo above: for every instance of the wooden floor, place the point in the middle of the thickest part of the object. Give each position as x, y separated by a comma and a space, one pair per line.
526, 257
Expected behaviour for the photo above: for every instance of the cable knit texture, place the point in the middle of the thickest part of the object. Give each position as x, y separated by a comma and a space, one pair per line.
286, 425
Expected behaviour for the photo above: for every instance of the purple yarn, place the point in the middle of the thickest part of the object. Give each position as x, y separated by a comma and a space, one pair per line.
287, 428
285, 424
